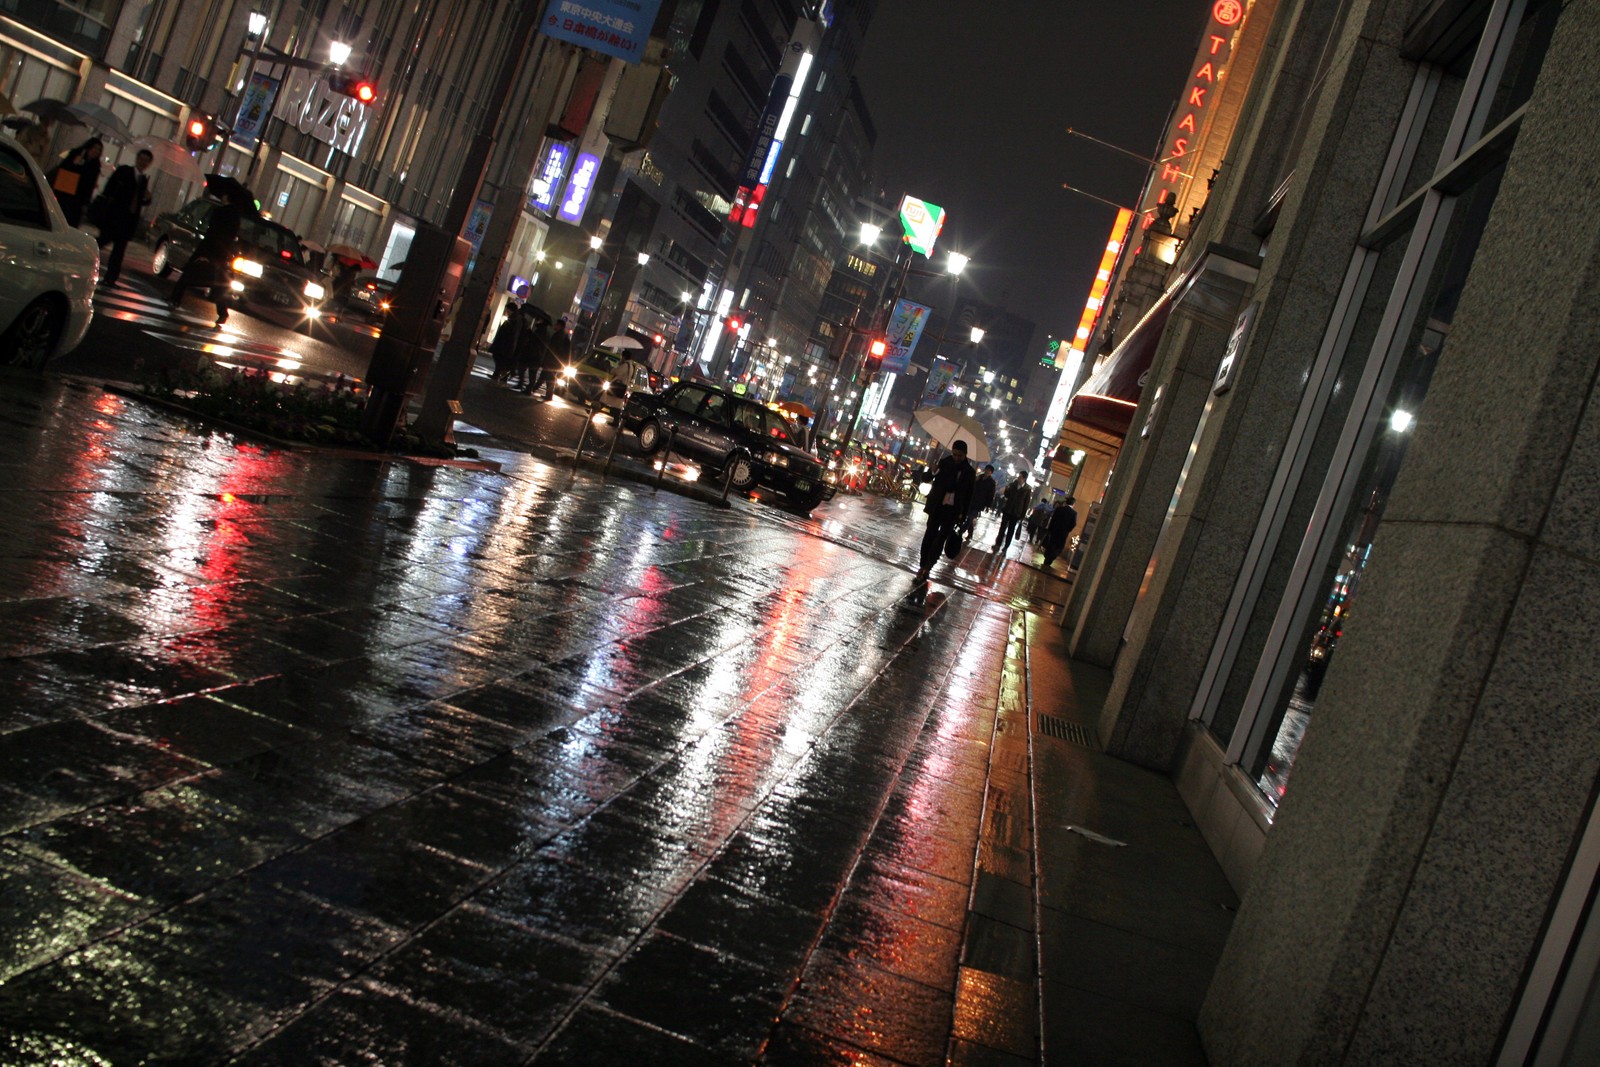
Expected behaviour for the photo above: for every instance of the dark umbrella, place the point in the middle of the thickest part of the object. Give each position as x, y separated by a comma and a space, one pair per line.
228, 188
48, 107
537, 314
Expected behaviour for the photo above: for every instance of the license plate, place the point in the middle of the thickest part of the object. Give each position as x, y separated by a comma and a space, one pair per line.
802, 485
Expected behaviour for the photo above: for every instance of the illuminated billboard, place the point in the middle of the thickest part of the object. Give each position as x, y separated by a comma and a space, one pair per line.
922, 222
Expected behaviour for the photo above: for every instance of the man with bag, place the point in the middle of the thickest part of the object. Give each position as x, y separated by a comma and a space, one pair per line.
209, 264
1013, 506
116, 211
948, 501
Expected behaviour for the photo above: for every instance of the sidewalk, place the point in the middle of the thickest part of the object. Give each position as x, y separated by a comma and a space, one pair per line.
311, 759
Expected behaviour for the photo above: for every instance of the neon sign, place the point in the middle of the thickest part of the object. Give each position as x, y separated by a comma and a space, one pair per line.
1209, 69
578, 187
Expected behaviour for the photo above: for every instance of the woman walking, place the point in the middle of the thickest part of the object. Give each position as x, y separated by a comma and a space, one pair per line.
75, 177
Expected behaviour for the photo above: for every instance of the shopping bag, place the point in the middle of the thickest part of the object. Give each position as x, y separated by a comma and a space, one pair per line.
65, 181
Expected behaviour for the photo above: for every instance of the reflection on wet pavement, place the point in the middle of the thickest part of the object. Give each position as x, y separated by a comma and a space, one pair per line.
316, 760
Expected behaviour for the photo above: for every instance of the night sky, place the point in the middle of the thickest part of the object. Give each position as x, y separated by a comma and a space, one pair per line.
971, 101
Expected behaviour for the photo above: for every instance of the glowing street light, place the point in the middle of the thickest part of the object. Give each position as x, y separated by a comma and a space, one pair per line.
957, 263
338, 52
870, 232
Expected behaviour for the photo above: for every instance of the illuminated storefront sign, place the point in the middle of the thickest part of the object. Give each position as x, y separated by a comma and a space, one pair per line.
922, 222
1194, 109
579, 186
782, 101
547, 183
1073, 355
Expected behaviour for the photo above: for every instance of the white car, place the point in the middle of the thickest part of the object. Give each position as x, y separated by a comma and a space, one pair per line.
48, 269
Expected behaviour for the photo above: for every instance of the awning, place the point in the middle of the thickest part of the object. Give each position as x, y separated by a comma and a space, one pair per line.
1210, 290
1107, 400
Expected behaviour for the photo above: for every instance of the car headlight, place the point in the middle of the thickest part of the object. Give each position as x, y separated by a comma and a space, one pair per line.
569, 371
384, 305
247, 266
314, 291
775, 459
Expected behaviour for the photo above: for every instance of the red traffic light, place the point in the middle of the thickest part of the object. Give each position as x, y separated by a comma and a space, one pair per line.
879, 348
200, 133
735, 325
197, 127
354, 86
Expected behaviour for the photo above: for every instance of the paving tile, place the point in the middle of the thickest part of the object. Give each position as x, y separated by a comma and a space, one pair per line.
712, 999
596, 1037
1085, 1027
871, 1009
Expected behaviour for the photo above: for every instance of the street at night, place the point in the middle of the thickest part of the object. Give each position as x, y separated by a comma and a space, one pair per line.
813, 533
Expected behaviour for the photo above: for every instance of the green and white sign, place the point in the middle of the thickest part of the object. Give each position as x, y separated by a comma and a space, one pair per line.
922, 222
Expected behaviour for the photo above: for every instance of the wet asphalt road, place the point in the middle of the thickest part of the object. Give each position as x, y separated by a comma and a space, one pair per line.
319, 760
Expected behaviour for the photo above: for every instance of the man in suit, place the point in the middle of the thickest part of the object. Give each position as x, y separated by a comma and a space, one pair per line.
126, 194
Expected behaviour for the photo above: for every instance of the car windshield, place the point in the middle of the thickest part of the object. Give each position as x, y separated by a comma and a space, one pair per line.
271, 239
606, 361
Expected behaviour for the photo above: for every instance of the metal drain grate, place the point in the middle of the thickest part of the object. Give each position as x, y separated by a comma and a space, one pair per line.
1066, 731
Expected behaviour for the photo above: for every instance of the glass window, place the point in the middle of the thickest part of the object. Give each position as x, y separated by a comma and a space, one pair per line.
21, 203
714, 409
687, 399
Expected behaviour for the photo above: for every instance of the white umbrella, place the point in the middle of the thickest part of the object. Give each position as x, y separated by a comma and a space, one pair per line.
171, 158
622, 340
101, 120
947, 425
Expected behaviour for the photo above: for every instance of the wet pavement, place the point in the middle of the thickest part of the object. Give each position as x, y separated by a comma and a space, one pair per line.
329, 760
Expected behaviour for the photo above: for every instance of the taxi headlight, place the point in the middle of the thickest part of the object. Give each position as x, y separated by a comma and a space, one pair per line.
569, 371
247, 266
314, 291
775, 459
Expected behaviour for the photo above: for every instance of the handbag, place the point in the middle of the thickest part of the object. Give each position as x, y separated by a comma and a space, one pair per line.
65, 181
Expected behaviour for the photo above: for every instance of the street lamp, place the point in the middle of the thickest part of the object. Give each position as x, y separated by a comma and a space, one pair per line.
870, 232
338, 52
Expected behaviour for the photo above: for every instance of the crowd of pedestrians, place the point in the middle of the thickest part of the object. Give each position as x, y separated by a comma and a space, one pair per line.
959, 494
529, 350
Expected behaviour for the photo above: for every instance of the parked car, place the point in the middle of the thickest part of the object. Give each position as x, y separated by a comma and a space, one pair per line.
271, 267
48, 269
370, 296
738, 438
585, 379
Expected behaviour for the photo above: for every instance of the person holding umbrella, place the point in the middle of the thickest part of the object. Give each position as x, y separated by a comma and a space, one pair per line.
74, 179
215, 249
127, 192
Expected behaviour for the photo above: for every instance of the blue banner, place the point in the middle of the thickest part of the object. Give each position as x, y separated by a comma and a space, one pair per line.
594, 287
613, 27
905, 330
255, 105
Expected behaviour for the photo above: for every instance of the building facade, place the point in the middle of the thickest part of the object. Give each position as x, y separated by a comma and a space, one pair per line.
1345, 570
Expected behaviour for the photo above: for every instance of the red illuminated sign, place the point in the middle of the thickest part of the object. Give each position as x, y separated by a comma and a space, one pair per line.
1209, 68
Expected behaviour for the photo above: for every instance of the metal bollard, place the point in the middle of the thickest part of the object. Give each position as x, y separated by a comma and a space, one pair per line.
666, 452
727, 481
616, 435
583, 435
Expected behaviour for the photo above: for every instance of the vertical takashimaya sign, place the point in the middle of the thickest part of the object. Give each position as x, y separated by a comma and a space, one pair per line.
1194, 109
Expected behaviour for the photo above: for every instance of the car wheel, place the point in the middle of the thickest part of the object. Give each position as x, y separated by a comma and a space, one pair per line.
741, 472
651, 437
34, 335
160, 262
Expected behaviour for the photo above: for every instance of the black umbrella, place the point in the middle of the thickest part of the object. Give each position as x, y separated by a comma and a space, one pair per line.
225, 187
50, 108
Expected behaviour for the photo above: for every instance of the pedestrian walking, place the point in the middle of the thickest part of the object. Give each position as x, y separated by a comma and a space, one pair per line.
1038, 519
529, 348
117, 211
503, 349
35, 140
208, 266
75, 177
982, 497
557, 351
948, 502
1013, 508
1063, 520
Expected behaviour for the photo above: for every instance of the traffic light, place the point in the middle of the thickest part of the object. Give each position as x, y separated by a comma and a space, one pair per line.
201, 132
735, 325
875, 353
355, 86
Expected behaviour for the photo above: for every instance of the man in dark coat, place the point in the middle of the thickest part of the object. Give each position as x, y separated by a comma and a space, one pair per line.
209, 264
557, 352
982, 497
1013, 506
948, 502
127, 192
1062, 522
506, 341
